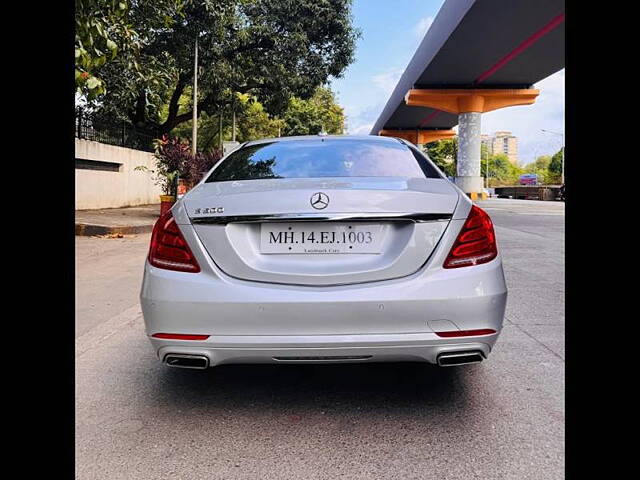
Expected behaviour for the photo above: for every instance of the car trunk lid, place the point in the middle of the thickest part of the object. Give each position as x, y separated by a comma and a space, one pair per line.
395, 224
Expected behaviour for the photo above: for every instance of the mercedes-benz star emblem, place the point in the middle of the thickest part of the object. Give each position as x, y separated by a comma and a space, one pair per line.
319, 200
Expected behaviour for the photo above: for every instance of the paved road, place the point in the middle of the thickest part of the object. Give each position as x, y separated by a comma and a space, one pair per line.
501, 419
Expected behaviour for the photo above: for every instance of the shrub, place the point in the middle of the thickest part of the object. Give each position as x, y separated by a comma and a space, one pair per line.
171, 160
174, 160
198, 165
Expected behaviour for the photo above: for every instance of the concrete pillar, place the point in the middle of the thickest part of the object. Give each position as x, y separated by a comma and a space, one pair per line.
468, 177
469, 104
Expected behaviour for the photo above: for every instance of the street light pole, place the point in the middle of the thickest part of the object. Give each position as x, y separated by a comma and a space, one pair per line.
486, 169
194, 131
561, 150
233, 131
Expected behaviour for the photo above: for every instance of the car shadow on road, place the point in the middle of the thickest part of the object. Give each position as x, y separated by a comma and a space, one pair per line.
320, 388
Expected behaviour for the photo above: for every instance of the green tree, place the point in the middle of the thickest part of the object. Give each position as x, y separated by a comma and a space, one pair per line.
302, 117
540, 163
255, 123
555, 167
540, 167
270, 49
104, 31
252, 123
444, 154
502, 171
310, 117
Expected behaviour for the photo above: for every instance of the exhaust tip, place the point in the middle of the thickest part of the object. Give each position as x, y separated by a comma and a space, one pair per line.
178, 360
459, 358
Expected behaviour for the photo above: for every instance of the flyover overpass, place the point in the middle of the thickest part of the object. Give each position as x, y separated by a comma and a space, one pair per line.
477, 56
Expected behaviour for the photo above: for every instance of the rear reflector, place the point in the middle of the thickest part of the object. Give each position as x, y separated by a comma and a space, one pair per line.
179, 336
169, 249
476, 242
466, 333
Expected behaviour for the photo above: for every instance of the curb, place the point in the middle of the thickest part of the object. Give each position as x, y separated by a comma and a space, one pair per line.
88, 230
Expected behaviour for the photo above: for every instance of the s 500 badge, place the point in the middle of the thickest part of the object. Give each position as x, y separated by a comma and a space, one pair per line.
209, 210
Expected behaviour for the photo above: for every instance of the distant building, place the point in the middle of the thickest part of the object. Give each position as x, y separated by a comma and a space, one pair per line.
502, 142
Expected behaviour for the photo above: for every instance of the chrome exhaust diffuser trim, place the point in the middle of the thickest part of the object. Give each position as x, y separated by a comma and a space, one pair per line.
179, 360
451, 359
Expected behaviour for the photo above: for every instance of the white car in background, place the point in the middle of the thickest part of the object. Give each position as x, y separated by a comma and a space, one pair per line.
323, 249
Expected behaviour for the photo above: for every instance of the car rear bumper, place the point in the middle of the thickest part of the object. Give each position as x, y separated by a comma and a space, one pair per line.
395, 320
423, 347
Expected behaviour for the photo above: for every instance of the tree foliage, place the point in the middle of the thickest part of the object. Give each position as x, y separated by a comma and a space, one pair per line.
548, 168
555, 165
502, 171
270, 49
319, 113
254, 122
444, 154
302, 117
540, 163
105, 32
540, 167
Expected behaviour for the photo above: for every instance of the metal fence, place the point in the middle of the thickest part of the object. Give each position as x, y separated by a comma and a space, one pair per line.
120, 134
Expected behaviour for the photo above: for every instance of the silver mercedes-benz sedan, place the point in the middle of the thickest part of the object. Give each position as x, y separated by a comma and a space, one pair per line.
323, 249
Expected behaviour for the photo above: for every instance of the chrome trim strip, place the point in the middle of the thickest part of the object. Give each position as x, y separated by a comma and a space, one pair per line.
325, 217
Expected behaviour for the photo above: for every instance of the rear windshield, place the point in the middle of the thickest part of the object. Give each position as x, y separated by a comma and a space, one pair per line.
323, 158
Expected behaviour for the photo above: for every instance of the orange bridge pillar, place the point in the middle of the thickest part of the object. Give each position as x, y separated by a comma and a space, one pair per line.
469, 104
418, 137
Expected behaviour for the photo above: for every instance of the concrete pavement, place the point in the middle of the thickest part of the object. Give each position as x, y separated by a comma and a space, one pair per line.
501, 419
108, 277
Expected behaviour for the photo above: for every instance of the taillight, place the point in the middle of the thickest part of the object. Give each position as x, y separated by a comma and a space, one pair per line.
466, 333
179, 336
476, 242
169, 250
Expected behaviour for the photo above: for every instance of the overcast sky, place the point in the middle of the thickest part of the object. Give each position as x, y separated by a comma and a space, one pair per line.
391, 32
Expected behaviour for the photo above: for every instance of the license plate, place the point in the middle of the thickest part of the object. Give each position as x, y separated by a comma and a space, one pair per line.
318, 237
